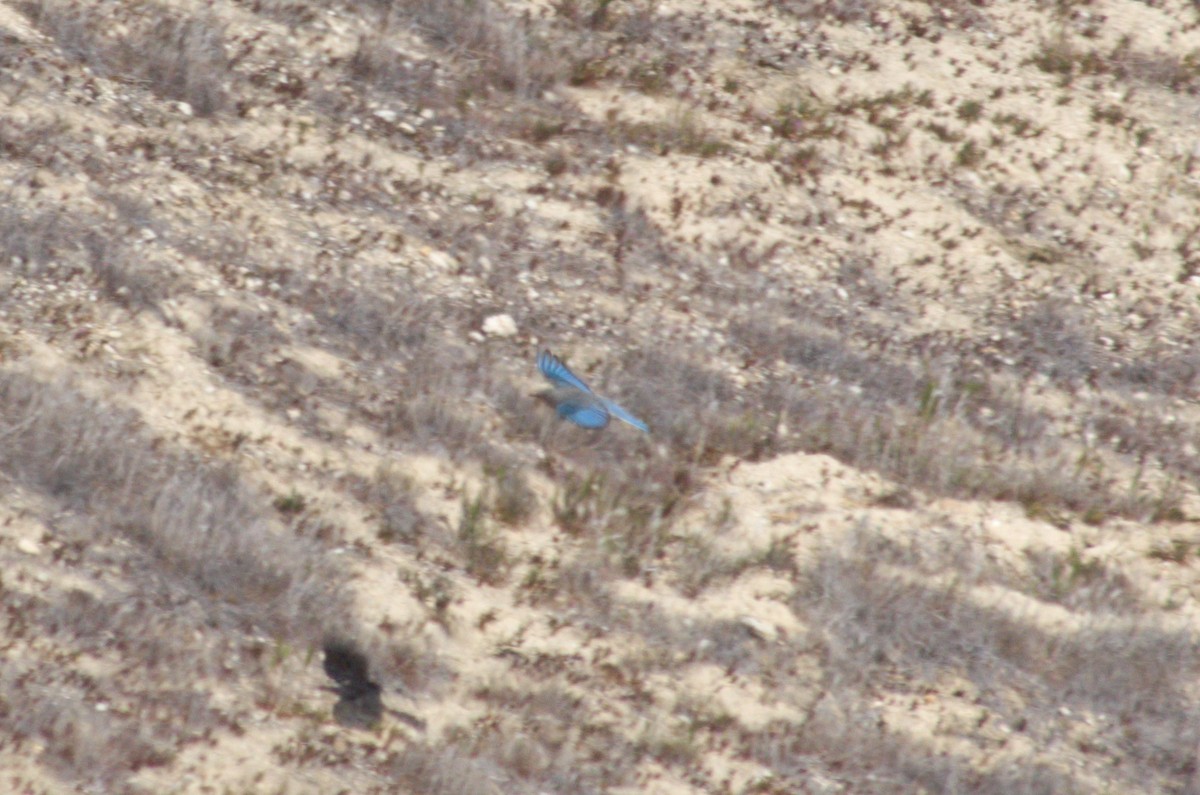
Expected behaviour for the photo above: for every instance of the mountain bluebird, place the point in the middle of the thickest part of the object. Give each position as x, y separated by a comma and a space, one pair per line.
575, 401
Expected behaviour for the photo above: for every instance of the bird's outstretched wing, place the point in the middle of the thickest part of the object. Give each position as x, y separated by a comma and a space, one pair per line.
625, 416
557, 372
588, 413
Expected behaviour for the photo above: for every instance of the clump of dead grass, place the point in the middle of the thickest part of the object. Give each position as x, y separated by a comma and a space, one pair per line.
181, 58
221, 590
201, 524
922, 607
503, 49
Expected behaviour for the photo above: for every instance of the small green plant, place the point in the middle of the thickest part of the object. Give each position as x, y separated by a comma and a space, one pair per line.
486, 558
538, 585
691, 136
969, 110
1109, 114
800, 162
556, 165
573, 505
944, 133
290, 503
887, 145
391, 495
541, 129
1069, 574
804, 118
970, 155
724, 517
673, 744
778, 556
682, 131
512, 500
698, 565
652, 77
436, 595
280, 652
1021, 126
1057, 56
1168, 505
1038, 508
588, 71
1177, 550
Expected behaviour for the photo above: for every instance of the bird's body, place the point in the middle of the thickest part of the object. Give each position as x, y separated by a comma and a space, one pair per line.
574, 400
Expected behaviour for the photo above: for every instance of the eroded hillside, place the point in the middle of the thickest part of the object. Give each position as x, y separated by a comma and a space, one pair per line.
907, 292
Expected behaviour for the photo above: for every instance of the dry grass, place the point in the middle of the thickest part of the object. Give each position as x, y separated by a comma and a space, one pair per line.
77, 255
916, 609
392, 494
370, 181
205, 529
178, 58
496, 50
213, 572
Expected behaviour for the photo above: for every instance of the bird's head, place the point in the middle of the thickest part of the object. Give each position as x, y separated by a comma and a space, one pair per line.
554, 396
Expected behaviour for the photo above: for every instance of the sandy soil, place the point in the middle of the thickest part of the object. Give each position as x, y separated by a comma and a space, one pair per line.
908, 292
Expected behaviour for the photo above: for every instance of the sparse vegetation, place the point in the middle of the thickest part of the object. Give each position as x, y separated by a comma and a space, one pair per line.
513, 502
683, 131
179, 57
399, 518
189, 530
969, 110
1178, 550
486, 558
805, 118
909, 606
909, 322
969, 155
1021, 126
292, 502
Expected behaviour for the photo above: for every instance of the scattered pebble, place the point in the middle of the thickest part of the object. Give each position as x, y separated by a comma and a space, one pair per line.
501, 325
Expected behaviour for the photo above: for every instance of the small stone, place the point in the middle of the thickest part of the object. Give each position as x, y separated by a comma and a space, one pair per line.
759, 628
441, 261
500, 326
28, 546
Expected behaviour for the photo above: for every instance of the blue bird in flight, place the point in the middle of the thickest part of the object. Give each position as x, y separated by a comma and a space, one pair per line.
575, 401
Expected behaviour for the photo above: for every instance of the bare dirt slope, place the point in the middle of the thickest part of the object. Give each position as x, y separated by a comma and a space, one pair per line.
908, 293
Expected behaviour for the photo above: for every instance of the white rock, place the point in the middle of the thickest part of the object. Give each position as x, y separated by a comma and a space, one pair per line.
759, 628
500, 326
439, 260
